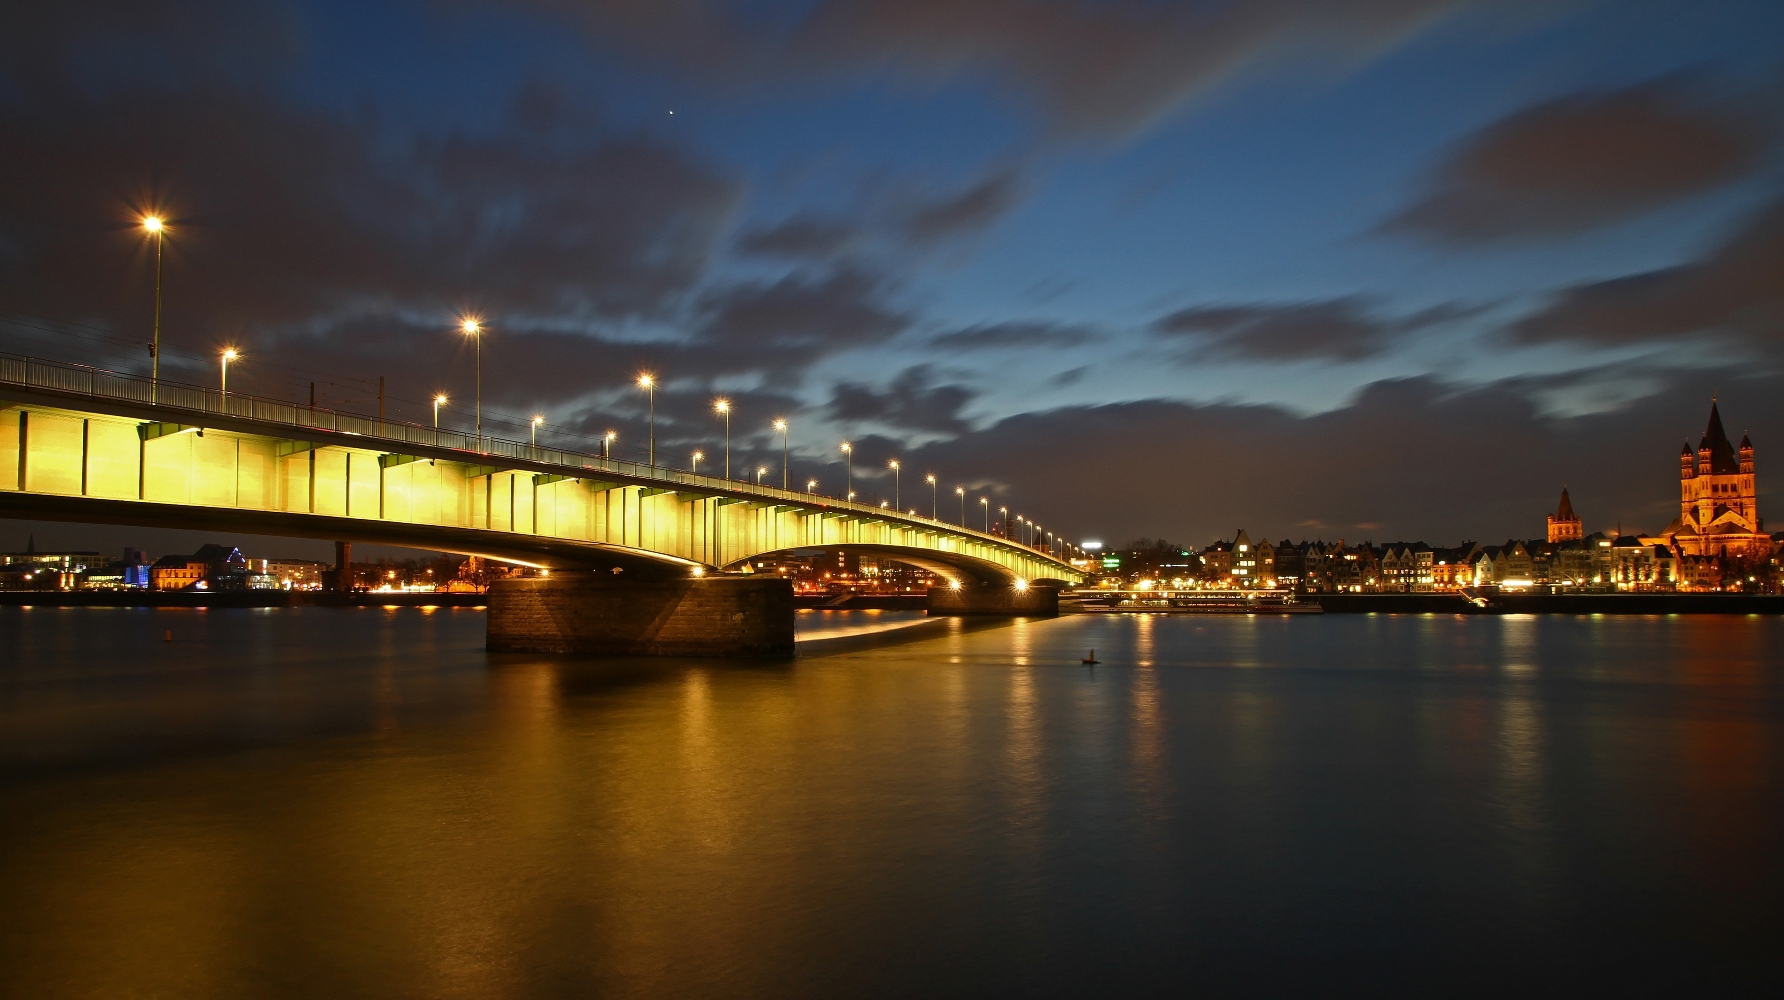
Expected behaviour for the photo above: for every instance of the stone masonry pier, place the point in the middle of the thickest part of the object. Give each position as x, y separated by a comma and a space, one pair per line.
604, 615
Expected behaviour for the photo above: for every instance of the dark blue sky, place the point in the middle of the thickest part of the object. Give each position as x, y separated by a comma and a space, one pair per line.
1383, 268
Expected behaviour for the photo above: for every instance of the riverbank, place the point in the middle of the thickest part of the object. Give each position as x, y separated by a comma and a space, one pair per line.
232, 599
1555, 604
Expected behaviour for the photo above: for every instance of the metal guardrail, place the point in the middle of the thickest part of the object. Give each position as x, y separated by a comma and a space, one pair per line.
190, 400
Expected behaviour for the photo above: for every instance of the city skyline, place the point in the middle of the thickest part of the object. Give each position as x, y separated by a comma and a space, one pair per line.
1347, 270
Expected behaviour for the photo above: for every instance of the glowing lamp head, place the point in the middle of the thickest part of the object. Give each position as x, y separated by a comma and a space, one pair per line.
229, 354
538, 420
151, 223
440, 400
721, 406
929, 479
1021, 585
845, 447
699, 455
647, 381
780, 425
892, 464
611, 435
761, 470
471, 327
960, 491
811, 484
885, 504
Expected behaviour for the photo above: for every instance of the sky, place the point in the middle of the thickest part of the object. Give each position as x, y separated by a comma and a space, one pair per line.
1360, 269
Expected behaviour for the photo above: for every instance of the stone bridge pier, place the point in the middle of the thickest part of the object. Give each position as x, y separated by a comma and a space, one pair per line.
603, 614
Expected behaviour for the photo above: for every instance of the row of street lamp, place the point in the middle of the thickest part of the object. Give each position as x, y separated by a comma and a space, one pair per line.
1031, 533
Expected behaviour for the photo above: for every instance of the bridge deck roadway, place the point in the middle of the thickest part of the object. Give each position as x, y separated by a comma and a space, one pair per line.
83, 445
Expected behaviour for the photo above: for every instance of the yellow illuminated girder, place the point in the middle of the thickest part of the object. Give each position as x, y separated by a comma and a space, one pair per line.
130, 463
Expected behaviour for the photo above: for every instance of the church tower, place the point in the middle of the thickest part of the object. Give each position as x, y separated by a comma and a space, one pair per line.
1718, 501
1564, 525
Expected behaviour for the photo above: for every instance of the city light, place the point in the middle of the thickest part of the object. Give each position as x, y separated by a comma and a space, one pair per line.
473, 327
439, 401
722, 407
229, 354
648, 383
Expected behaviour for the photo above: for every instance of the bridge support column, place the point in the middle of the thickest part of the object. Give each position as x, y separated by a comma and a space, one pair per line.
343, 567
1034, 602
604, 615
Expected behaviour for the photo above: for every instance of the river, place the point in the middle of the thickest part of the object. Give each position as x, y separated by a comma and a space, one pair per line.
362, 803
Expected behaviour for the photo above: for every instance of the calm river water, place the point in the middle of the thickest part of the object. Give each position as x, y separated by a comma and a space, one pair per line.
362, 803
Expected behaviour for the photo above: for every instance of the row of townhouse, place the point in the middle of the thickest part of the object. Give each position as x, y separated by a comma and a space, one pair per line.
1596, 562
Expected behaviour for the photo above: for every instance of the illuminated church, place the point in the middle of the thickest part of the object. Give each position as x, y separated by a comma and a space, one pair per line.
1718, 504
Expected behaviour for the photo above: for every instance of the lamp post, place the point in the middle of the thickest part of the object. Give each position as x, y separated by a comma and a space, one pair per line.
229, 354
439, 401
985, 502
848, 469
960, 491
1003, 516
722, 406
811, 486
931, 479
607, 444
648, 383
897, 501
697, 457
781, 425
761, 470
473, 328
153, 225
537, 420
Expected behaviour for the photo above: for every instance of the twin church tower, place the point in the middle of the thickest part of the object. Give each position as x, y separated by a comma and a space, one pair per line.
1718, 503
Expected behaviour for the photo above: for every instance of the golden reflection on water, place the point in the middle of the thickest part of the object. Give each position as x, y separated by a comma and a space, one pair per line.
695, 827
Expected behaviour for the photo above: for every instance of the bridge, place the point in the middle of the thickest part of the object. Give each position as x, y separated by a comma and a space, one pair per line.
635, 558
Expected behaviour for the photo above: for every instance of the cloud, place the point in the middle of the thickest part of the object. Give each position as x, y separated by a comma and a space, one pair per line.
1583, 161
1345, 329
1107, 68
285, 216
801, 314
1736, 290
910, 403
800, 237
1417, 458
965, 212
1013, 336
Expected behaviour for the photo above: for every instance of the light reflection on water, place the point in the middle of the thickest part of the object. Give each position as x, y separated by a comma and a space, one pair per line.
363, 803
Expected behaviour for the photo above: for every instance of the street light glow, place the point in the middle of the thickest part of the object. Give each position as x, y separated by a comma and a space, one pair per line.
780, 425
720, 405
646, 381
229, 354
471, 326
151, 223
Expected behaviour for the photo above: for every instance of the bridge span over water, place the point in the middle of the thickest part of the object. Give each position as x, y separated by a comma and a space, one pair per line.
83, 444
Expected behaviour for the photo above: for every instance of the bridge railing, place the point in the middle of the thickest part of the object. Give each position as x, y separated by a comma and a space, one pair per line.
187, 401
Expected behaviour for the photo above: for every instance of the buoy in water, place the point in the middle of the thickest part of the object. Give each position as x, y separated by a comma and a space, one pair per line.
1091, 660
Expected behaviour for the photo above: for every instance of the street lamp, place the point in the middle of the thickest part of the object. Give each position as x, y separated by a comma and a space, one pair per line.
811, 486
931, 479
537, 420
896, 475
848, 469
607, 444
781, 425
985, 502
697, 457
960, 491
153, 225
648, 383
723, 406
761, 470
229, 354
439, 401
473, 328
